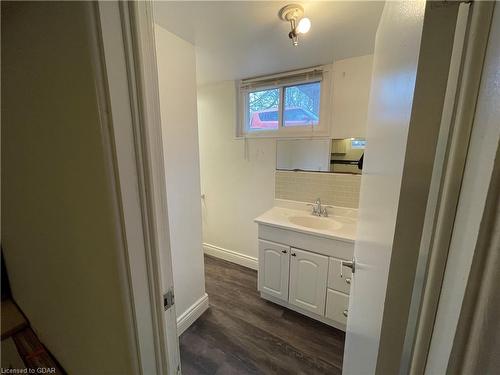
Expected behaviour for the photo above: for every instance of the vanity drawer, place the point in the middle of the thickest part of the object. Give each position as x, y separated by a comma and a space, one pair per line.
342, 284
337, 305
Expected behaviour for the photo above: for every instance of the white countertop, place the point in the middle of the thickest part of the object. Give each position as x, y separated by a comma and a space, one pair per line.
342, 220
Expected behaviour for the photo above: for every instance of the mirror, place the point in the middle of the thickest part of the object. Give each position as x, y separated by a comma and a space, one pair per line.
320, 155
303, 154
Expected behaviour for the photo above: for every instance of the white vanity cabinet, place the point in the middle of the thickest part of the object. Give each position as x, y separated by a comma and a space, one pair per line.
301, 261
307, 279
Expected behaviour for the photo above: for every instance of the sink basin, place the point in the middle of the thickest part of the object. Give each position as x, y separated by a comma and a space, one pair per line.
314, 222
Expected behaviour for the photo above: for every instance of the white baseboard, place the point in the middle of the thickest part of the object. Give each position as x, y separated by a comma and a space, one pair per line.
231, 256
191, 314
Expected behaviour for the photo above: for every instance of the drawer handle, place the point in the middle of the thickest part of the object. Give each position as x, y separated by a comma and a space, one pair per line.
345, 313
284, 251
294, 255
348, 280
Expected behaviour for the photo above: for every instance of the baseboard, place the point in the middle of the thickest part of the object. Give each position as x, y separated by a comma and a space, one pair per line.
231, 256
191, 314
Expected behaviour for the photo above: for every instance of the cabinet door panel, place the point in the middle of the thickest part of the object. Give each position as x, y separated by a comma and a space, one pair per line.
308, 275
274, 268
336, 306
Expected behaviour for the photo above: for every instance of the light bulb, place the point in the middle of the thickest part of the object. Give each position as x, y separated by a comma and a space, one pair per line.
303, 26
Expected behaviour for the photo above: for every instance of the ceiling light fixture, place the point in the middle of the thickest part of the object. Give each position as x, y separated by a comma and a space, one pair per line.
294, 13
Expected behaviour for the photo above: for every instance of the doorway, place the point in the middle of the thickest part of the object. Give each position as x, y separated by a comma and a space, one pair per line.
370, 360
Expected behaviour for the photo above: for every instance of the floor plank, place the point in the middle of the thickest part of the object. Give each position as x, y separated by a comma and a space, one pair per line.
243, 334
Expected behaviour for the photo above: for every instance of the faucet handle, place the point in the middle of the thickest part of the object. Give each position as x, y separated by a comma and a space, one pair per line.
324, 210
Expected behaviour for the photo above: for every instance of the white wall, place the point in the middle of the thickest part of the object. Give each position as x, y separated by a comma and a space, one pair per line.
237, 177
351, 92
60, 223
177, 85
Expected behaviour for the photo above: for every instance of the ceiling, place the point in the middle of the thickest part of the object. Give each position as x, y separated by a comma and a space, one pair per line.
241, 39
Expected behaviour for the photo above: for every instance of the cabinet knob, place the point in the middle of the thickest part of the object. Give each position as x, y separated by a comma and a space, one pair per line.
284, 251
345, 313
348, 280
294, 255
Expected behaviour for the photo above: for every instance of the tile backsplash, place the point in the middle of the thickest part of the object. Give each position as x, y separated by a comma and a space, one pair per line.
333, 188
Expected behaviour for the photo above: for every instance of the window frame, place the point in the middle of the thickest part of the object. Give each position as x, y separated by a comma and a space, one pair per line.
281, 81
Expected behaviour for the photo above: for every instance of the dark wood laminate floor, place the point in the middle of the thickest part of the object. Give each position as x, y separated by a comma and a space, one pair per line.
243, 334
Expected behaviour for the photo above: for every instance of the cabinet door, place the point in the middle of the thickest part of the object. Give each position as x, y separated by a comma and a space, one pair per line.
308, 274
274, 266
337, 306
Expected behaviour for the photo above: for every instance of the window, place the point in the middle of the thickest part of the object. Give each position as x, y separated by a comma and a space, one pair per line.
302, 104
293, 104
263, 109
358, 143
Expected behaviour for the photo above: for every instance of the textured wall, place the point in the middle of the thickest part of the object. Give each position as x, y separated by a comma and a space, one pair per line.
61, 232
333, 188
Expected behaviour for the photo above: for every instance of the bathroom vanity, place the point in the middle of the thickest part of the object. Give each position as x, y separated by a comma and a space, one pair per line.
303, 260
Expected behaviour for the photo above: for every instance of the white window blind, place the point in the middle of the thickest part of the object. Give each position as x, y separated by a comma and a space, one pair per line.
282, 79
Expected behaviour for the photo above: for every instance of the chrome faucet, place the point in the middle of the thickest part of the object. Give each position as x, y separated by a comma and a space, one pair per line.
318, 209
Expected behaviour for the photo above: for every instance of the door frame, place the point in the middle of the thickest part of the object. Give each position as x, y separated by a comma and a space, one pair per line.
142, 139
127, 75
477, 163
448, 190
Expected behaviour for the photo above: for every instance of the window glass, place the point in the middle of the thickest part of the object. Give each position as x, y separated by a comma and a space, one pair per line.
358, 143
302, 104
263, 107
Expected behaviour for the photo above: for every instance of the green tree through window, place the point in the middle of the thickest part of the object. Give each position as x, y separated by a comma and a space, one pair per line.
304, 96
262, 100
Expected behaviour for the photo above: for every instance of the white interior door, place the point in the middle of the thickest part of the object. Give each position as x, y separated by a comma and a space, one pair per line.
409, 80
308, 274
274, 269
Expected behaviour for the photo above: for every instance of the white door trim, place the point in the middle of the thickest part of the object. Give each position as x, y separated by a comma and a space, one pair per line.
142, 61
481, 152
133, 111
450, 185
